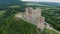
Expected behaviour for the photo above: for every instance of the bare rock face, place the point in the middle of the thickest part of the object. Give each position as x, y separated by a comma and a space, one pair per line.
34, 16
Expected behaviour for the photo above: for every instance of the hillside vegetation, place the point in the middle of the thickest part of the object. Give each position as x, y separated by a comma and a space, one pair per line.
51, 14
49, 31
12, 25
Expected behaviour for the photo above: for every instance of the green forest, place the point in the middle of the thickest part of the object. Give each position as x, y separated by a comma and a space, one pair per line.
9, 25
51, 14
12, 25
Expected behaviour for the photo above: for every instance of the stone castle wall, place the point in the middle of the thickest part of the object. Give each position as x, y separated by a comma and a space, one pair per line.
34, 16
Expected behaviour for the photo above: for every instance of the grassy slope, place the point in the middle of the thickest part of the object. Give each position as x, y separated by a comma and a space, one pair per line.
49, 31
10, 25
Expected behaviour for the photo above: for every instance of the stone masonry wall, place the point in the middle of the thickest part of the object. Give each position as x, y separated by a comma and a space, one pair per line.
34, 15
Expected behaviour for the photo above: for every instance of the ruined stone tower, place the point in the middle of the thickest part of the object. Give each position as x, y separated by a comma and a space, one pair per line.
34, 16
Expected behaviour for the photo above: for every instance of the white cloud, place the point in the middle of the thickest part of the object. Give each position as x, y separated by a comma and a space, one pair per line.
44, 0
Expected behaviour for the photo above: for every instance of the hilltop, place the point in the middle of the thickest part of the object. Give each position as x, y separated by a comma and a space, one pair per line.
12, 25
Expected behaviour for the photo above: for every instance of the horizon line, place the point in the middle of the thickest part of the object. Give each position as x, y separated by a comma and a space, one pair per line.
40, 1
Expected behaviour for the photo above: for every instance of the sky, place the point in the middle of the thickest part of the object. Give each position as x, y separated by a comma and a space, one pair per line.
57, 1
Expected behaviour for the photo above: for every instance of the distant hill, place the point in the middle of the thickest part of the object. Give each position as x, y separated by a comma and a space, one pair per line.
7, 3
47, 3
18, 2
10, 2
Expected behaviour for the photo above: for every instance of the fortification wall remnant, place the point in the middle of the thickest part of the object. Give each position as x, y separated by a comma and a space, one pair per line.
34, 16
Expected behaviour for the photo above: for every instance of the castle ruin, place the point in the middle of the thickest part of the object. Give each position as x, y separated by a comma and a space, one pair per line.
34, 16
